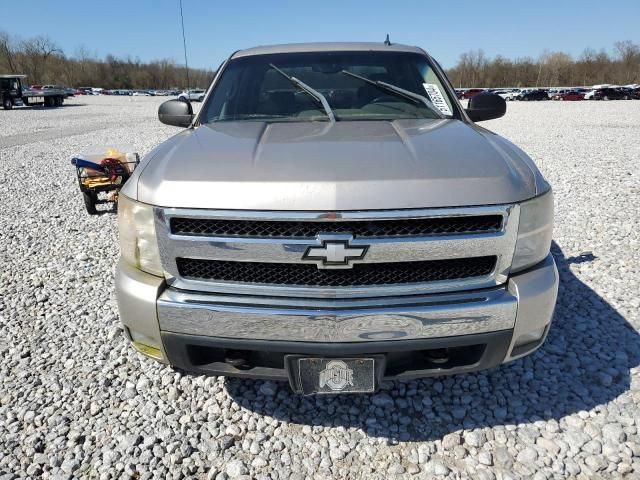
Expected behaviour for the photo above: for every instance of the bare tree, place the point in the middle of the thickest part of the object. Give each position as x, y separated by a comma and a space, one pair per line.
629, 56
550, 69
7, 52
36, 52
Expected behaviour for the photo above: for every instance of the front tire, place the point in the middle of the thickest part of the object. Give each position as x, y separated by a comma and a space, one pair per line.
201, 99
605, 98
7, 104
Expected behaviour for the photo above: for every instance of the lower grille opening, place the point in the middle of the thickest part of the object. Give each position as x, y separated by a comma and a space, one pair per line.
299, 274
397, 363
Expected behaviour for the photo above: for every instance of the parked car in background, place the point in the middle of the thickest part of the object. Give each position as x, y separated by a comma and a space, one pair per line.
502, 93
536, 94
569, 95
472, 92
626, 92
608, 94
196, 95
635, 93
512, 94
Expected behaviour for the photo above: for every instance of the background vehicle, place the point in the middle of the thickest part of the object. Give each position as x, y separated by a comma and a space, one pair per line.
502, 93
327, 192
196, 95
529, 95
512, 94
13, 93
568, 95
627, 93
472, 92
608, 94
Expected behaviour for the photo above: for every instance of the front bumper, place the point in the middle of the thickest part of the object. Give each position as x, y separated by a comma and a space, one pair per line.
214, 334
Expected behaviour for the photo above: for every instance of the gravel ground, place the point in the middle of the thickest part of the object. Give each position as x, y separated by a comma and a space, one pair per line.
77, 401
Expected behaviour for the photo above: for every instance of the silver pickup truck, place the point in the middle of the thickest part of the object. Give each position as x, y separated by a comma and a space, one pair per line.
333, 217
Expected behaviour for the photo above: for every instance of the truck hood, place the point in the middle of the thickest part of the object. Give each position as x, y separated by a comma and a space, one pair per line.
347, 165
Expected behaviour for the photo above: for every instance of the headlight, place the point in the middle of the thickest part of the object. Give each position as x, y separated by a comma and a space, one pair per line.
138, 244
534, 232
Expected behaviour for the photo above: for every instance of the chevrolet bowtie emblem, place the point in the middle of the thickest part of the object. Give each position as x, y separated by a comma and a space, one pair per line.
336, 252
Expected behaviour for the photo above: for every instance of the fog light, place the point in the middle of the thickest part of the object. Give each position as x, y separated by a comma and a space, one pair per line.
530, 337
146, 345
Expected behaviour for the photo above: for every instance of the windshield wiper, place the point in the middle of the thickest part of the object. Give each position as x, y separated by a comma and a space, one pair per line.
401, 92
306, 88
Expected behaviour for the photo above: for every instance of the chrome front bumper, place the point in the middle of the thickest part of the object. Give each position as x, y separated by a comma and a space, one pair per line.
390, 318
525, 304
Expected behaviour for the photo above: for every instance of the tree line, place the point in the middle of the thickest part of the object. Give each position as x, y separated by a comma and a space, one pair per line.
44, 62
551, 69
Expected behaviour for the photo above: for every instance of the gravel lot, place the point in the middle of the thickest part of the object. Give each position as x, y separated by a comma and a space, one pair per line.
77, 401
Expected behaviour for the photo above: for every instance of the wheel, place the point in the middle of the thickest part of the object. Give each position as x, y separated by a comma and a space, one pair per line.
59, 101
526, 99
561, 99
605, 98
627, 97
49, 102
200, 99
7, 104
90, 202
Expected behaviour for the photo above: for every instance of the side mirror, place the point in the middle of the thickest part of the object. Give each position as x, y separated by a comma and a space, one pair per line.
176, 113
486, 106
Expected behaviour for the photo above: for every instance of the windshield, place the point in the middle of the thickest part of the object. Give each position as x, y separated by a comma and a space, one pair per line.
251, 89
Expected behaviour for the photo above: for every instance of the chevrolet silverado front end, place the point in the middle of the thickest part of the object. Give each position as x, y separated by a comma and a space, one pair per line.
333, 217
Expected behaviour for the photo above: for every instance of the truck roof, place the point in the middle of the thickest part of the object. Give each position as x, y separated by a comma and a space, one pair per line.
327, 47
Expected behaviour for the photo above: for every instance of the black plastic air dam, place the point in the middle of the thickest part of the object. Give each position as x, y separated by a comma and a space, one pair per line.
403, 359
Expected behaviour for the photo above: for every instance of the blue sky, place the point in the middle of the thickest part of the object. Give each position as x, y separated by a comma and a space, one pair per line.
151, 29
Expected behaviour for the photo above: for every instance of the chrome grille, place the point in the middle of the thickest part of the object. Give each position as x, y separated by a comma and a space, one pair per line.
408, 252
216, 227
309, 275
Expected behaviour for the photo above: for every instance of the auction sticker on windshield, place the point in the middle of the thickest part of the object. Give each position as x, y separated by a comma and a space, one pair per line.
437, 98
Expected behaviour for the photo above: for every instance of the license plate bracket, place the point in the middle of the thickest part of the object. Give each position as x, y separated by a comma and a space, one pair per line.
334, 375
